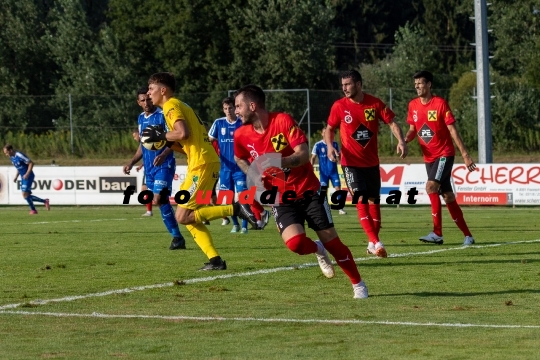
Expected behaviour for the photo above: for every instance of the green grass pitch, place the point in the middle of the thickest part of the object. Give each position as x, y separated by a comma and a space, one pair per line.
100, 283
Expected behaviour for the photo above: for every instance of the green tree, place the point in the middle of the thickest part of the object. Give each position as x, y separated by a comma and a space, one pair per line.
25, 70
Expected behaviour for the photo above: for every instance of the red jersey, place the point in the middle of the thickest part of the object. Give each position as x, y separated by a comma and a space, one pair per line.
358, 128
281, 136
430, 121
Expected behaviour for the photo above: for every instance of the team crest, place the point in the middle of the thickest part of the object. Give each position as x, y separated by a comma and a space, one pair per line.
322, 150
432, 115
223, 131
369, 114
279, 142
348, 117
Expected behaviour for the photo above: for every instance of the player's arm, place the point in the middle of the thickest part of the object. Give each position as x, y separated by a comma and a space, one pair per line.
135, 159
329, 140
242, 164
312, 159
402, 145
298, 158
471, 166
179, 132
158, 160
30, 167
16, 176
411, 134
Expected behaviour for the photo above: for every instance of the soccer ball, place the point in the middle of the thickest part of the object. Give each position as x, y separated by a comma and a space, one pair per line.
153, 145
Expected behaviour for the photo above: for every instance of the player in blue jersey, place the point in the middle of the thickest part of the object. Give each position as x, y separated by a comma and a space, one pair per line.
230, 175
327, 169
24, 167
159, 167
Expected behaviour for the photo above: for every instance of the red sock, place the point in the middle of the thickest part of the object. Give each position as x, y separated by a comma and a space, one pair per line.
149, 205
436, 209
367, 222
257, 209
457, 216
344, 259
302, 245
375, 214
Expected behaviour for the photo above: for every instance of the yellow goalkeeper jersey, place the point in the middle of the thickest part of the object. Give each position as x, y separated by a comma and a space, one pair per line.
198, 148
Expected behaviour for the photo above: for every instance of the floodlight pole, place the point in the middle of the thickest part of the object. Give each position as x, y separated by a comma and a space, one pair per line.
483, 100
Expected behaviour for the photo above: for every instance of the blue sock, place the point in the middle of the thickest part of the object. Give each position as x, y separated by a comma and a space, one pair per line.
167, 214
235, 220
244, 224
30, 202
35, 198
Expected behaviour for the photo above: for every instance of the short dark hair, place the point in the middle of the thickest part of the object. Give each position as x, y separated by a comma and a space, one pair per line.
353, 74
424, 74
228, 100
164, 78
142, 91
253, 93
8, 147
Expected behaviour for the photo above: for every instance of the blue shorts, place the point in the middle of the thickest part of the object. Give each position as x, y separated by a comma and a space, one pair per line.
159, 180
334, 177
26, 185
229, 180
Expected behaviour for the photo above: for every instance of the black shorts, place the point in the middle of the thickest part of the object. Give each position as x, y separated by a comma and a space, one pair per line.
365, 180
317, 215
440, 171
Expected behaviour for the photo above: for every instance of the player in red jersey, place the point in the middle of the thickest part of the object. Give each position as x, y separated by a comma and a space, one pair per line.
430, 117
357, 117
269, 133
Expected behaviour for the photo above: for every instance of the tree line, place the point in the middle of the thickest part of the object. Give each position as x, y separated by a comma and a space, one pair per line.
101, 51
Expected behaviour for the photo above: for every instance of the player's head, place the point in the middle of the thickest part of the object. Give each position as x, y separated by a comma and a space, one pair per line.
161, 85
228, 108
324, 130
247, 101
8, 150
422, 83
351, 83
144, 101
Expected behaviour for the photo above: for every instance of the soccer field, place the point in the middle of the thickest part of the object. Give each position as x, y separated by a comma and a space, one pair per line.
100, 282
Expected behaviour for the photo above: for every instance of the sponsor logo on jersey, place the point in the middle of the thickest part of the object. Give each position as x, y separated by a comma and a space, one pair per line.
432, 115
279, 142
425, 133
254, 154
362, 135
415, 115
348, 117
369, 114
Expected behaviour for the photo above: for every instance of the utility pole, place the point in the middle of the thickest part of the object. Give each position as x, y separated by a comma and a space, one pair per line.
483, 99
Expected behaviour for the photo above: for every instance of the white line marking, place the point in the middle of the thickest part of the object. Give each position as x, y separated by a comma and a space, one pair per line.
268, 320
69, 221
258, 272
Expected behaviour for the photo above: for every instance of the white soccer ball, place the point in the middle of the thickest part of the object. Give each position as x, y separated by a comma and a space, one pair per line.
152, 145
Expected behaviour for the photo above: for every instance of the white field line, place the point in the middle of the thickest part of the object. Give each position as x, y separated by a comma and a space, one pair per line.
249, 273
70, 221
268, 320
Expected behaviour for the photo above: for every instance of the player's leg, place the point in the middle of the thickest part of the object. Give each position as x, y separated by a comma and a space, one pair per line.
239, 181
162, 179
435, 172
200, 179
26, 189
334, 178
226, 183
149, 205
373, 181
290, 219
319, 218
455, 210
356, 183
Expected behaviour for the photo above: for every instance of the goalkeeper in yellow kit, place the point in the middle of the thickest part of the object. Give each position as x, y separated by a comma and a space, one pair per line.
187, 129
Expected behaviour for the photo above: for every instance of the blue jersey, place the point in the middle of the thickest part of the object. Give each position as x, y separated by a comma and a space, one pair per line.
20, 161
223, 132
326, 166
148, 156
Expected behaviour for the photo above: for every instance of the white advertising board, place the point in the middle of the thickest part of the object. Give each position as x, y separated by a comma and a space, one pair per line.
491, 184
